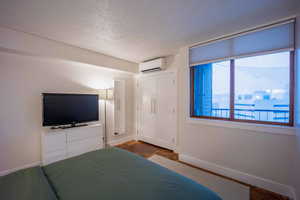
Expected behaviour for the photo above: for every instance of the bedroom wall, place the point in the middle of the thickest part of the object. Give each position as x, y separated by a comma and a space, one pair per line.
23, 79
237, 148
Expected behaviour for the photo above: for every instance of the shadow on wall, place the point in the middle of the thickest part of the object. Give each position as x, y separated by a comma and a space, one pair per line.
22, 80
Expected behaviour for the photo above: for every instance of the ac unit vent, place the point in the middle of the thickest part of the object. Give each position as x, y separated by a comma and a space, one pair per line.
152, 70
152, 65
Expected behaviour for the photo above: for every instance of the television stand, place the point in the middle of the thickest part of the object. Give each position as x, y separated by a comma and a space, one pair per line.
69, 126
61, 144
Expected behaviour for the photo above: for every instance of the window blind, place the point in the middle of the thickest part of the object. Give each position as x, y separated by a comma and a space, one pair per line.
276, 37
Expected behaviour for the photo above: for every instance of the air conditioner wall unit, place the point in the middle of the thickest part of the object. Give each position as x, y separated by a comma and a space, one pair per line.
152, 65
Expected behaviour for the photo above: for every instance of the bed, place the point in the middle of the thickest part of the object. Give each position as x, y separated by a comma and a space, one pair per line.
107, 174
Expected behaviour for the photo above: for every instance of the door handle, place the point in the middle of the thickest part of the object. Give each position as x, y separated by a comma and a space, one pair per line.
151, 106
118, 104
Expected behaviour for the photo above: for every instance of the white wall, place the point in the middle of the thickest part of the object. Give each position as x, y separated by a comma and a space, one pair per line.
23, 79
255, 152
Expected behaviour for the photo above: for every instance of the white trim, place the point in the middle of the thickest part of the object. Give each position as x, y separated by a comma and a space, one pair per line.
263, 128
267, 184
8, 171
121, 140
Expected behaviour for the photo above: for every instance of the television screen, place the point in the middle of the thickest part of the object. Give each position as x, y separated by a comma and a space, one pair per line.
62, 109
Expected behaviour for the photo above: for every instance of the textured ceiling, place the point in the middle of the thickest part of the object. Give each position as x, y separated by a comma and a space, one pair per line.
137, 30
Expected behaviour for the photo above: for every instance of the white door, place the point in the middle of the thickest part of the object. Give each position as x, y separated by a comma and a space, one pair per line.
119, 108
147, 114
158, 110
165, 109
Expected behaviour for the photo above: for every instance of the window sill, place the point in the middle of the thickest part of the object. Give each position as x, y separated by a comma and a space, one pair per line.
265, 128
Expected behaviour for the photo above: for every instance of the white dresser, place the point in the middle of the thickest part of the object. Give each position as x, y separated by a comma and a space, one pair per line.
65, 143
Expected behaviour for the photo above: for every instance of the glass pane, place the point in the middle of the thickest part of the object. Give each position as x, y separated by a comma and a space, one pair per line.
211, 89
262, 88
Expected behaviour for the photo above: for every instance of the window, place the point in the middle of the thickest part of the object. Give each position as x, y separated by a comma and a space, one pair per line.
267, 79
247, 77
260, 89
212, 89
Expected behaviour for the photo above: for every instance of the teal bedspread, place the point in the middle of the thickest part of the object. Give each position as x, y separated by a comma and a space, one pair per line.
27, 184
109, 174
113, 174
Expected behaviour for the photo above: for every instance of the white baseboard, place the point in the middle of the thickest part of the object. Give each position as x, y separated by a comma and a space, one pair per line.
121, 140
8, 171
267, 184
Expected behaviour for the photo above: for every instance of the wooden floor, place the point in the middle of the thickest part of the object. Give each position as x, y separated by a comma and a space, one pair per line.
148, 150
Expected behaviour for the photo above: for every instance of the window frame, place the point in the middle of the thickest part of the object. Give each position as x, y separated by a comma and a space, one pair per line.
232, 95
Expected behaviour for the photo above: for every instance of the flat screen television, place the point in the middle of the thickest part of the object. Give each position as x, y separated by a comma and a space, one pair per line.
64, 109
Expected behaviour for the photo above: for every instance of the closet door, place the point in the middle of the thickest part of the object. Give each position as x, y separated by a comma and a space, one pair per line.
165, 110
147, 130
157, 110
119, 108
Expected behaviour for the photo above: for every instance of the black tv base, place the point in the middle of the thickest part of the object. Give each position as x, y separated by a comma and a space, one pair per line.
69, 126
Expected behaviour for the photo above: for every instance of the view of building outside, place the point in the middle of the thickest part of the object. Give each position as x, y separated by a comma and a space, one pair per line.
262, 85
221, 89
261, 88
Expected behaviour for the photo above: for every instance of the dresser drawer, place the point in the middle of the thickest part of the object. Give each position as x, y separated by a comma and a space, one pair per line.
83, 134
54, 141
83, 146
